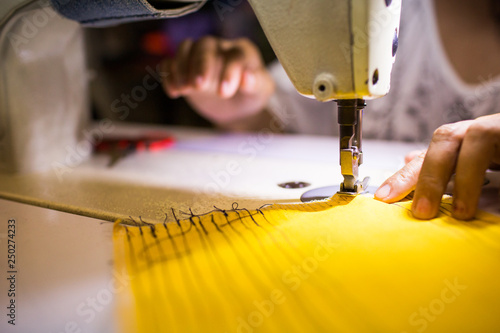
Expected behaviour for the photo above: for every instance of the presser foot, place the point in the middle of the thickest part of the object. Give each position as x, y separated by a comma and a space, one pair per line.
322, 193
354, 187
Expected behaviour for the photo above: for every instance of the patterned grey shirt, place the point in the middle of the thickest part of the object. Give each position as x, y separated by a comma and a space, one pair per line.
426, 92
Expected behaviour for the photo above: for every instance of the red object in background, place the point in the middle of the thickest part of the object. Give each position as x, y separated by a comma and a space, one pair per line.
157, 43
154, 145
119, 148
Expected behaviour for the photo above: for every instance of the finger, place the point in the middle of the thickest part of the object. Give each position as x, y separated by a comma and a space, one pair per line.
252, 56
168, 81
249, 81
476, 154
203, 62
180, 65
255, 78
402, 182
438, 166
257, 82
411, 155
232, 72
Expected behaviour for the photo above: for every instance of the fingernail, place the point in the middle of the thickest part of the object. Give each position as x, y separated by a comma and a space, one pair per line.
459, 208
422, 207
224, 87
383, 192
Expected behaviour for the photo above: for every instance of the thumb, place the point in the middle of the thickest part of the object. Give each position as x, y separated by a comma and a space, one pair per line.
256, 82
402, 182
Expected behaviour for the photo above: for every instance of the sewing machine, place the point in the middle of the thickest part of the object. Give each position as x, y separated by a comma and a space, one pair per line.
336, 50
331, 50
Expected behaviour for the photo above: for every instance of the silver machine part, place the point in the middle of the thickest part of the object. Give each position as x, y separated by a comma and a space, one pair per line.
350, 116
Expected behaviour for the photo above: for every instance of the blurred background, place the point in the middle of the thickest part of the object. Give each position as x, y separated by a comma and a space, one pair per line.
120, 58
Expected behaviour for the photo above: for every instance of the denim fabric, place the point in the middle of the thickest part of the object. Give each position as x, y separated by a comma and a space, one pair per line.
109, 12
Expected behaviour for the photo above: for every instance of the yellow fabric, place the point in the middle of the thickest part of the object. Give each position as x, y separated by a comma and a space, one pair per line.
348, 264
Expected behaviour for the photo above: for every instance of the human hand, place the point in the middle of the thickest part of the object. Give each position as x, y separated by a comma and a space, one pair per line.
467, 148
224, 80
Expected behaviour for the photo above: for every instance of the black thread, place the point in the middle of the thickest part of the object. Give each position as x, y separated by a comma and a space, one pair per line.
251, 216
153, 232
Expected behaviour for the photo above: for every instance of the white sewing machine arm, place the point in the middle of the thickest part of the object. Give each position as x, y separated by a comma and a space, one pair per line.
333, 49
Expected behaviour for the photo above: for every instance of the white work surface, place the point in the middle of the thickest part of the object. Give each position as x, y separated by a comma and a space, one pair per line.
203, 169
65, 260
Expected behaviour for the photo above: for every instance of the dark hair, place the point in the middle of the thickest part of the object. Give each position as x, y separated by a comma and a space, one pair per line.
495, 9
